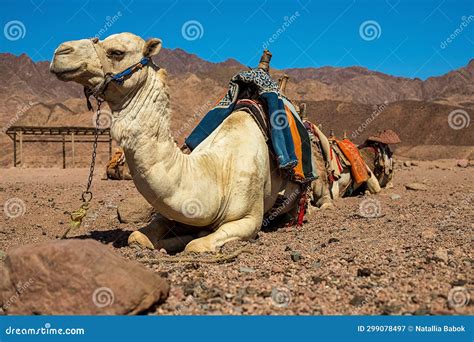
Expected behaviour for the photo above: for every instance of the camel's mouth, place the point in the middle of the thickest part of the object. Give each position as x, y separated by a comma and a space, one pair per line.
66, 73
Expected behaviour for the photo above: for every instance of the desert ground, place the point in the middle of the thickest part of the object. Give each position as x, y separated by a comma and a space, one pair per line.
405, 260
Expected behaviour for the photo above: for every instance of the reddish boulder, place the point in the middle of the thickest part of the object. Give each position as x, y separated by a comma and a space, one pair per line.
76, 277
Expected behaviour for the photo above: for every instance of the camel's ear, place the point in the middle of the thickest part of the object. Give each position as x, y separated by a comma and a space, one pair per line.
152, 47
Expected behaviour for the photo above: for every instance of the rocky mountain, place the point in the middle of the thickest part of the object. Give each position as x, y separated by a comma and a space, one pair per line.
339, 98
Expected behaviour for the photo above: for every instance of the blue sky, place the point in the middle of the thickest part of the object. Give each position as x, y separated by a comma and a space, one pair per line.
400, 37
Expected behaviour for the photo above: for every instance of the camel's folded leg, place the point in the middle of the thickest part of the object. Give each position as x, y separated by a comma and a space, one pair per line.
373, 184
321, 194
163, 233
242, 229
148, 236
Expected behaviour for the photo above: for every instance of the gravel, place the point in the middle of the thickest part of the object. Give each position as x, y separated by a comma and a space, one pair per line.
405, 262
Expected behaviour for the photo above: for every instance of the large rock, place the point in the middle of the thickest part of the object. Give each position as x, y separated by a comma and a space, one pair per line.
76, 277
134, 210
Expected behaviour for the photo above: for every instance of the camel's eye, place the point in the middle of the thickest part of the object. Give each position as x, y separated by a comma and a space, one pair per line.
115, 53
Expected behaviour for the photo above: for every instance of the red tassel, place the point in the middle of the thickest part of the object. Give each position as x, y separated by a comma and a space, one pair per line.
301, 209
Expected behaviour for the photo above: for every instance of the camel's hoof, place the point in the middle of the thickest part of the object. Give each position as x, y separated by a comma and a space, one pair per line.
139, 239
198, 246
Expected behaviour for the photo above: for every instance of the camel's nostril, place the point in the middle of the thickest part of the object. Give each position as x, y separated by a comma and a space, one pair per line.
64, 50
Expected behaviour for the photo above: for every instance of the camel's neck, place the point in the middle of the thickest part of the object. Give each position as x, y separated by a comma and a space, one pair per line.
142, 130
145, 115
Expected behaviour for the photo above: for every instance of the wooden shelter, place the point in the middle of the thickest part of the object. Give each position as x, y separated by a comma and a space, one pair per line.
63, 135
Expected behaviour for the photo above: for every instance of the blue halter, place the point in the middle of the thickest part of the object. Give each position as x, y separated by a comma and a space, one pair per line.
120, 77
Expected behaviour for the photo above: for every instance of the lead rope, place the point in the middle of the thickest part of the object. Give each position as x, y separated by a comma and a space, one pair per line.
78, 215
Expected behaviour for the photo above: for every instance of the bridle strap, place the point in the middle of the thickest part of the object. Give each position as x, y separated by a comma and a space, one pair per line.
98, 90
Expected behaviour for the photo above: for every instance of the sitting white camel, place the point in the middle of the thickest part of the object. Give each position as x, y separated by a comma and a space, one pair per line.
223, 188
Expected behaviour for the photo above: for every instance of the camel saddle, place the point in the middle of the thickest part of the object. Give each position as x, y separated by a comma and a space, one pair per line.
358, 167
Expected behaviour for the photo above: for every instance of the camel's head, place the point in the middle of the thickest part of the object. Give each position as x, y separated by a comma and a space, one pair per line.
87, 61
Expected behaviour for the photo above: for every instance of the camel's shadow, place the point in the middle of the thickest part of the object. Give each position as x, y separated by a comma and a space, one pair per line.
117, 237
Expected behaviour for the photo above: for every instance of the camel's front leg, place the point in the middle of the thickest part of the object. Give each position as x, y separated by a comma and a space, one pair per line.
321, 194
150, 235
243, 229
373, 184
163, 233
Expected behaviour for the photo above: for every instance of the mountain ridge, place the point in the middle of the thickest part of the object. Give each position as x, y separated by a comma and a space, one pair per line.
339, 98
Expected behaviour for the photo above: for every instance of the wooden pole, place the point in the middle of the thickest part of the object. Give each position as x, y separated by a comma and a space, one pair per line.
64, 151
14, 148
21, 148
282, 82
265, 61
73, 152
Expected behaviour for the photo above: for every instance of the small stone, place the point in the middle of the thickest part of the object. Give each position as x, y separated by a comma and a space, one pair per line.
332, 240
395, 197
295, 256
428, 233
416, 187
413, 163
188, 288
287, 248
441, 254
177, 293
422, 312
389, 309
459, 282
407, 163
163, 251
277, 269
316, 279
364, 272
245, 269
462, 163
357, 301
237, 309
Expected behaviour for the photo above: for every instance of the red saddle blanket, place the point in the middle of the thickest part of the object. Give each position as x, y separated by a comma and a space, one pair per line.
358, 166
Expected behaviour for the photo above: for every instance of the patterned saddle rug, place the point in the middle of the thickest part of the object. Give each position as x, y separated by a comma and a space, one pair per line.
289, 139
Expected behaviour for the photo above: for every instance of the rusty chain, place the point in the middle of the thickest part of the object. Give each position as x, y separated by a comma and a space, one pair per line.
78, 215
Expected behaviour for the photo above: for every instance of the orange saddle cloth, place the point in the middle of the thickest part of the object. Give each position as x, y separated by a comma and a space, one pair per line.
358, 167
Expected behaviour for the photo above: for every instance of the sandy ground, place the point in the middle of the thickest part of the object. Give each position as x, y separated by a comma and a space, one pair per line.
407, 260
